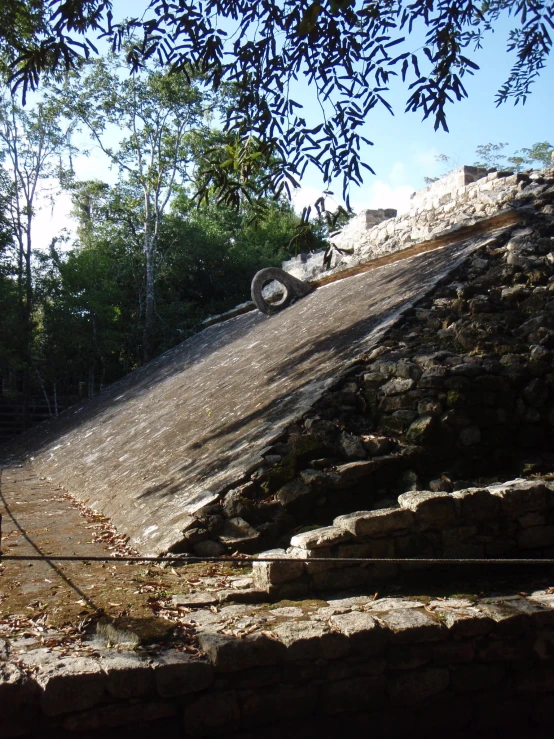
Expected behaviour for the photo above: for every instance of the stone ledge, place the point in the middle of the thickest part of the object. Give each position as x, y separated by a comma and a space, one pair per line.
507, 519
344, 655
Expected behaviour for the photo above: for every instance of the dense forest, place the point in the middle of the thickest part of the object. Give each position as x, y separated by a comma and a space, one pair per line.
149, 261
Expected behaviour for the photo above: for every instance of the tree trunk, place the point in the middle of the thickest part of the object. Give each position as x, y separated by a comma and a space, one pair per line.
149, 304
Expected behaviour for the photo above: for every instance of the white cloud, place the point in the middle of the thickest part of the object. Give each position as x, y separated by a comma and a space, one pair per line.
383, 195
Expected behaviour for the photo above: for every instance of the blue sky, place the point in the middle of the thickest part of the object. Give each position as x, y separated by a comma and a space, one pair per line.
405, 147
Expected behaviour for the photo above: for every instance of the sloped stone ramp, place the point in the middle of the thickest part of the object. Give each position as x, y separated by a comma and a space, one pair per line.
171, 437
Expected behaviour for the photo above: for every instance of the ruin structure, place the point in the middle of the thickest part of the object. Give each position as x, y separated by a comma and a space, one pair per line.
403, 410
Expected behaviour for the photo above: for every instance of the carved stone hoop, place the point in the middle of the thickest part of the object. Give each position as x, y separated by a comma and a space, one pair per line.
294, 289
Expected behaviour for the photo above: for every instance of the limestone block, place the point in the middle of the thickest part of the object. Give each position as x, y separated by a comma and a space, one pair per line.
178, 674
362, 630
397, 386
128, 676
310, 640
266, 574
237, 532
477, 504
520, 496
229, 654
212, 714
421, 429
431, 509
324, 537
540, 613
508, 619
464, 623
68, 683
308, 555
19, 699
460, 542
369, 523
409, 625
413, 687
351, 472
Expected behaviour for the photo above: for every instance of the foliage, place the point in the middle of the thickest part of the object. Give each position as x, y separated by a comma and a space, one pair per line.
348, 51
160, 117
492, 156
92, 296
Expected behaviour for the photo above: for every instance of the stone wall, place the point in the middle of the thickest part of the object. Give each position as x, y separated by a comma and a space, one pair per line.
514, 519
450, 183
456, 200
384, 666
460, 393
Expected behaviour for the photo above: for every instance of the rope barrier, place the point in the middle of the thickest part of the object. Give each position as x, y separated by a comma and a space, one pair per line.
193, 558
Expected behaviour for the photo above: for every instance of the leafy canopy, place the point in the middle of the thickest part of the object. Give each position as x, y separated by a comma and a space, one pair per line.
347, 50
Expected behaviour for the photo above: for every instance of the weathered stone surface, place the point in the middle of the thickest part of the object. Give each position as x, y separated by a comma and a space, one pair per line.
509, 620
310, 640
209, 548
520, 496
237, 531
317, 538
464, 622
381, 521
477, 505
266, 574
229, 654
351, 472
165, 441
376, 445
351, 446
363, 630
431, 509
4, 647
178, 674
397, 386
195, 600
67, 683
19, 699
410, 625
295, 491
128, 676
421, 429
